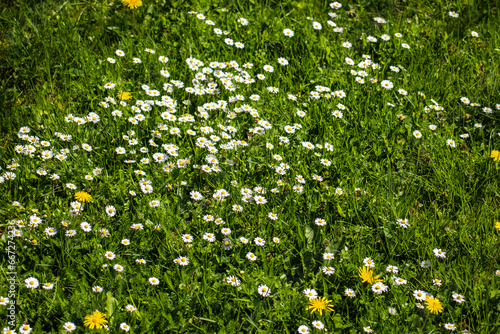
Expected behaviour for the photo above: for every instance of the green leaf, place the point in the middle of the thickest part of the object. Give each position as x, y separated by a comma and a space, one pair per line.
111, 304
341, 212
309, 233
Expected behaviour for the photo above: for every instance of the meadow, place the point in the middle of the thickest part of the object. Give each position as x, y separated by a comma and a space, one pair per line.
249, 166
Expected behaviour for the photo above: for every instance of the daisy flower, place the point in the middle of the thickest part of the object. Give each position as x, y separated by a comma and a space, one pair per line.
264, 290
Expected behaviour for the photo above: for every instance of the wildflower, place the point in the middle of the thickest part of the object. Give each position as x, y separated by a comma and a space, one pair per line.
154, 203
399, 281
450, 142
130, 308
31, 283
458, 298
453, 14
366, 275
105, 233
368, 329
86, 227
120, 150
317, 25
124, 327
495, 155
303, 329
154, 281
417, 134
436, 282
272, 216
368, 261
439, 253
450, 327
433, 305
137, 227
25, 329
328, 270
420, 295
259, 241
118, 268
95, 320
318, 325
387, 84
379, 287
425, 264
392, 269
110, 210
132, 4
260, 200
209, 237
226, 243
350, 293
69, 326
97, 289
320, 305
251, 256
197, 196
182, 261
311, 293
264, 290
283, 61
328, 256
288, 32
243, 21
124, 96
50, 231
233, 280
404, 223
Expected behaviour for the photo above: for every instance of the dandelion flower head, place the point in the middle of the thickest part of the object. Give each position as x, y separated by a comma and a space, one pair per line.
95, 320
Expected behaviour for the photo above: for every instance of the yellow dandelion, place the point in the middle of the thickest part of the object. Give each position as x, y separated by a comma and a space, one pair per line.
497, 225
95, 320
124, 96
132, 4
495, 155
83, 196
319, 304
367, 275
434, 305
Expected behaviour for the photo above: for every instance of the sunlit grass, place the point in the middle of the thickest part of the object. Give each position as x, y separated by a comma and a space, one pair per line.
228, 168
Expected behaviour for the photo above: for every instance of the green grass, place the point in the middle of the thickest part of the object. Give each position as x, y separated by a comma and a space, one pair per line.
53, 62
